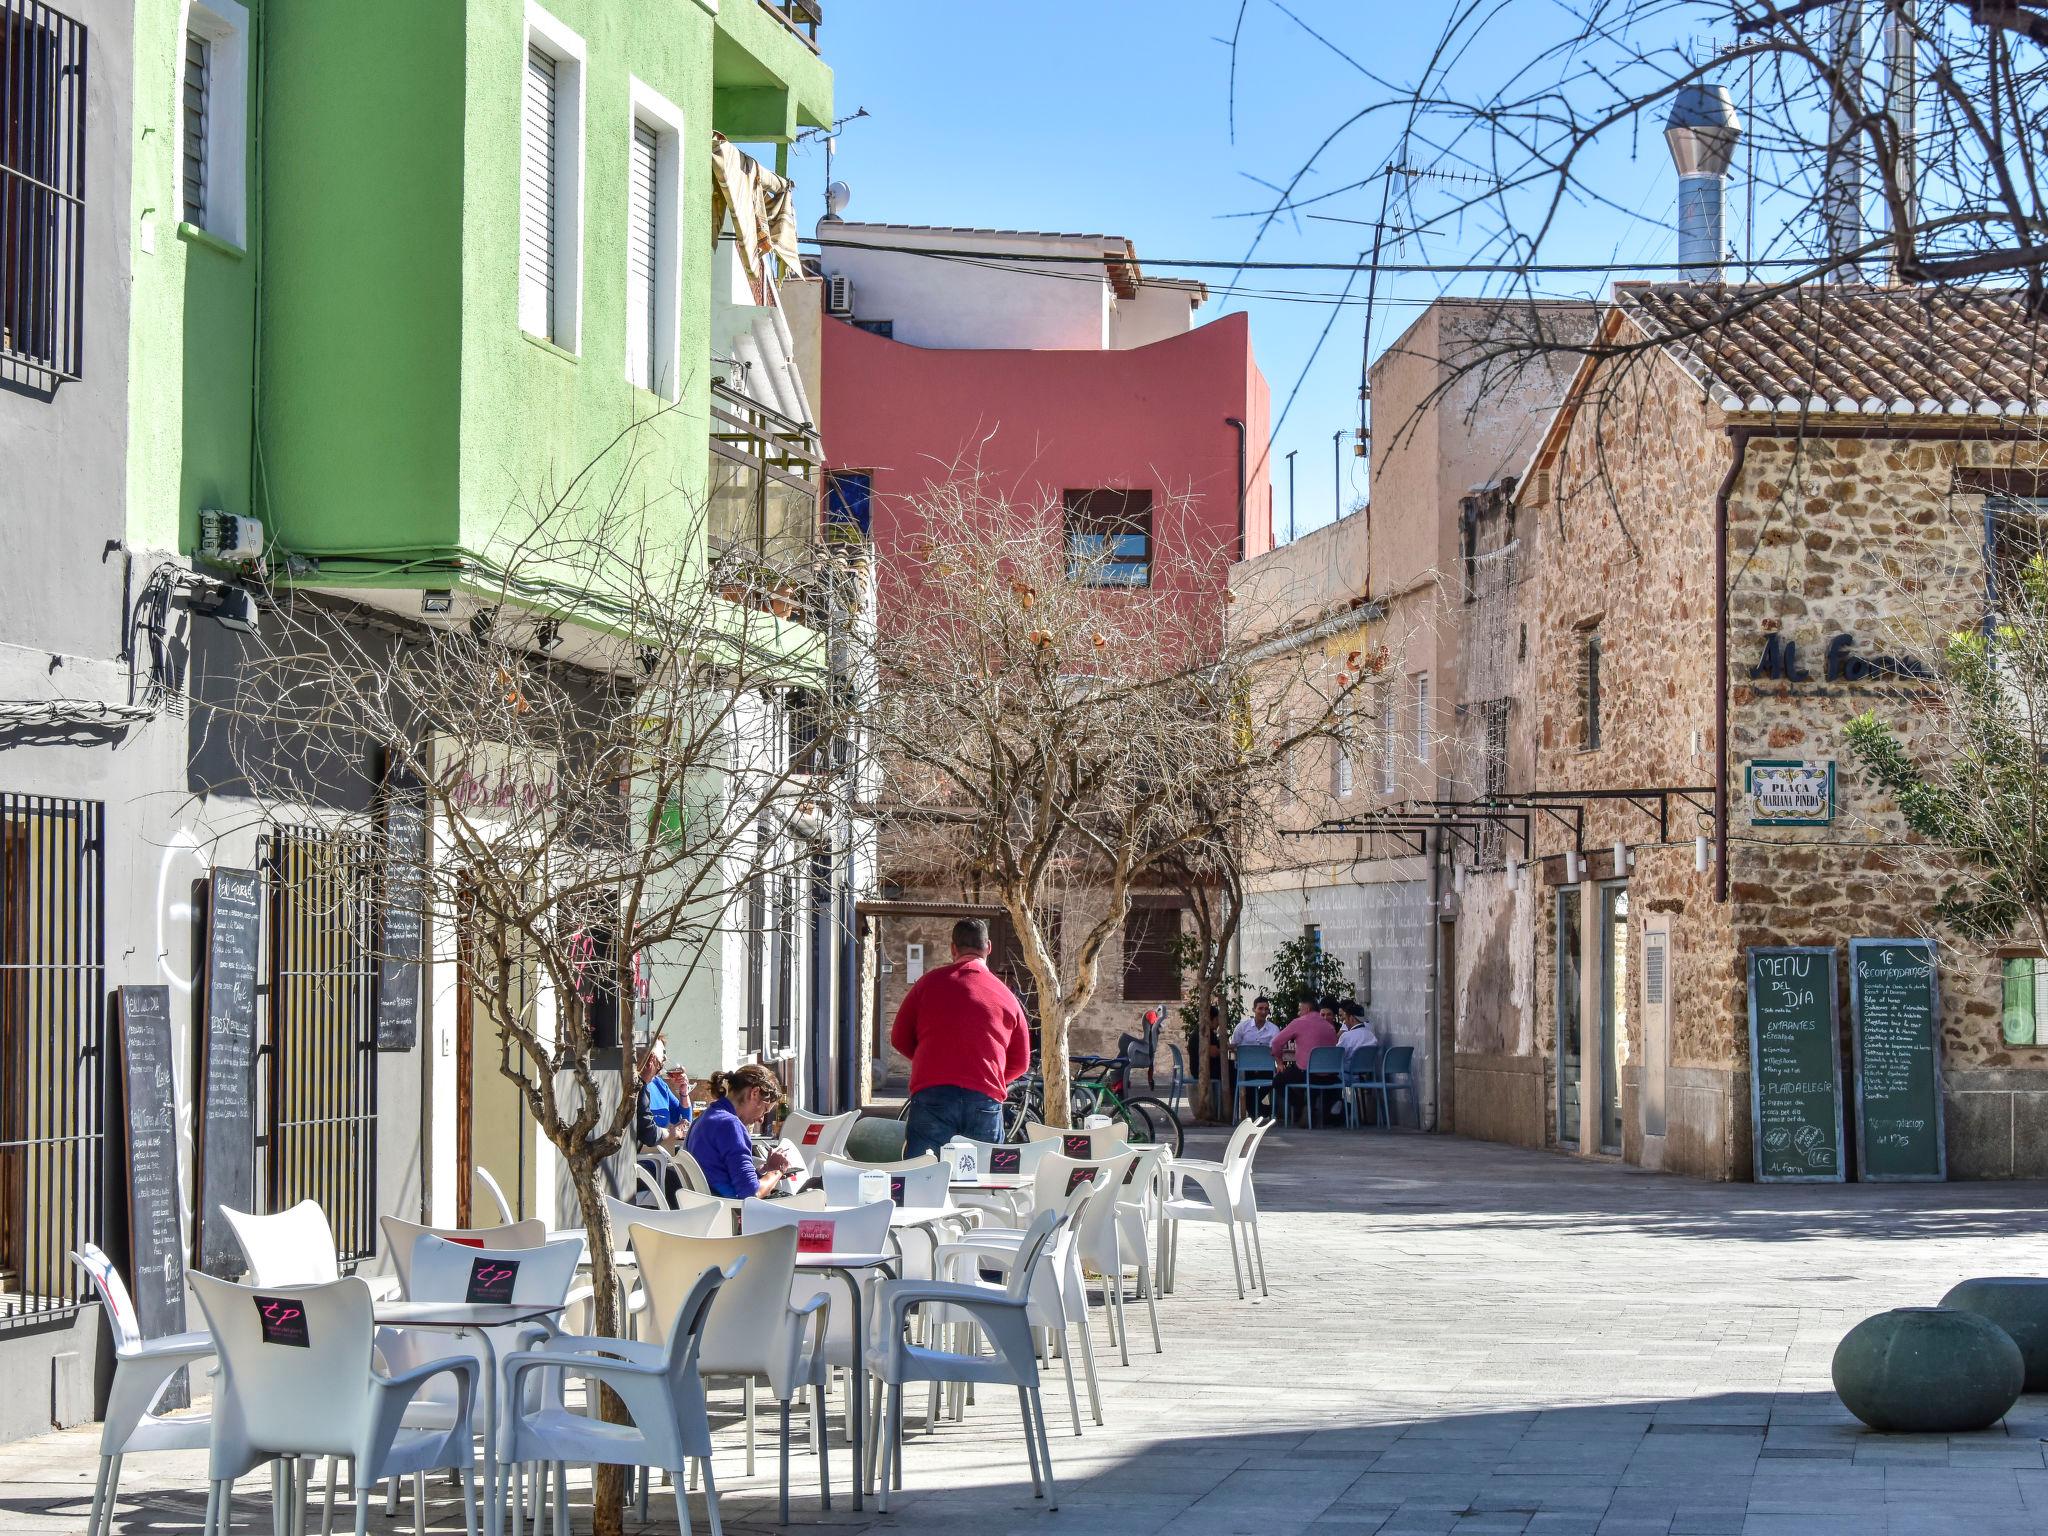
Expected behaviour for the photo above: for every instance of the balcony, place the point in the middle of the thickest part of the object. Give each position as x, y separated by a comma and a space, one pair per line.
803, 17
764, 499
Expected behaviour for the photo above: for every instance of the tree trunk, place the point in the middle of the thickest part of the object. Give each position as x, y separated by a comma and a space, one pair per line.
607, 1319
1052, 1062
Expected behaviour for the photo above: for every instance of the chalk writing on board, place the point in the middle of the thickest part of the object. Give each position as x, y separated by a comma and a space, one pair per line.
155, 1190
1894, 1015
225, 1128
401, 908
1794, 1064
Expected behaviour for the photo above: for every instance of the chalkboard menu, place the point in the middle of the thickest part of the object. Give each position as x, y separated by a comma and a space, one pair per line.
1795, 1066
224, 1134
402, 911
156, 1250
1895, 1023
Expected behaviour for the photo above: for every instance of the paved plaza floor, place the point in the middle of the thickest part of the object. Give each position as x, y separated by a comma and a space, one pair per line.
1460, 1337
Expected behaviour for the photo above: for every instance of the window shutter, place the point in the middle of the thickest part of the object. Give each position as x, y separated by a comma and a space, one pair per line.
1150, 971
641, 203
1656, 1029
1423, 717
537, 198
1390, 741
198, 66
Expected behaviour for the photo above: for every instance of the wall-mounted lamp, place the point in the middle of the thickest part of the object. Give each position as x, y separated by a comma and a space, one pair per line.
1622, 859
1702, 855
1571, 867
1514, 874
437, 601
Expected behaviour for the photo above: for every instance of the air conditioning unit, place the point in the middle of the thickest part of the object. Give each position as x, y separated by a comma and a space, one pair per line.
839, 296
228, 539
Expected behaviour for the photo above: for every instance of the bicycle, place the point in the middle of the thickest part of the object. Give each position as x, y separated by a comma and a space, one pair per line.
1099, 1086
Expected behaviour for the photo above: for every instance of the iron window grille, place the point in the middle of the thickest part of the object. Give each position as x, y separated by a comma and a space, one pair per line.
42, 188
755, 1032
320, 1118
52, 1050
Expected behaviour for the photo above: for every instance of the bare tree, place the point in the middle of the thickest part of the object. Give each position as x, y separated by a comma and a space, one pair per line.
1059, 727
600, 744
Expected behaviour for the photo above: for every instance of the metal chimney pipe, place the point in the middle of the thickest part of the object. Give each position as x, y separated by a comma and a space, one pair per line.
1702, 131
1842, 185
1902, 86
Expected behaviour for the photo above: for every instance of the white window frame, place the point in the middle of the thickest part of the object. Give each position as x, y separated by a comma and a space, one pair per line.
224, 24
1341, 767
647, 105
1390, 739
548, 34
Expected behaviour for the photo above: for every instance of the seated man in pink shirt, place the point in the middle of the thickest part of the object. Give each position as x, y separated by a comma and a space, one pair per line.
1309, 1030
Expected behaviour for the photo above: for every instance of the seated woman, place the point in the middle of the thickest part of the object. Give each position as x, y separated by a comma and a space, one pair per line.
721, 1140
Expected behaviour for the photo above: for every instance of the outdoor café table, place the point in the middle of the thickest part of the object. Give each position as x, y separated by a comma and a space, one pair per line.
477, 1317
854, 1269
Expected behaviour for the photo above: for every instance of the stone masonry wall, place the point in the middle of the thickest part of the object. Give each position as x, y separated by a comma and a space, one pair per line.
1880, 539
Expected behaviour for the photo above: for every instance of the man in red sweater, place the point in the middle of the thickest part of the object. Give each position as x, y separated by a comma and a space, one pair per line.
967, 1040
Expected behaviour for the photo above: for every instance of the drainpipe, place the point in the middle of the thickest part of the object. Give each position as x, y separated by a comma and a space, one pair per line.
1433, 1013
1237, 422
1739, 437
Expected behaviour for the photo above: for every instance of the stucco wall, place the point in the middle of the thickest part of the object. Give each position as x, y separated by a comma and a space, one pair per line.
1006, 303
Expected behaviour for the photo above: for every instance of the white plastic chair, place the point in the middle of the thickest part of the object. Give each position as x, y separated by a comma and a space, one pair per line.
142, 1369
694, 1177
1230, 1203
1002, 1317
1103, 1140
926, 1181
297, 1380
848, 1229
401, 1237
819, 1136
753, 1332
1057, 1293
691, 1221
660, 1385
497, 1194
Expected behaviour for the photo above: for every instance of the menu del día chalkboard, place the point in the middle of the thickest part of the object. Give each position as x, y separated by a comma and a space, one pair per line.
149, 1098
225, 1128
1895, 1027
1795, 1066
402, 910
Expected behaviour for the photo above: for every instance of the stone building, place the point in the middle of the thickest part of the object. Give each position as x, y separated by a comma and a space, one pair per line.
1755, 522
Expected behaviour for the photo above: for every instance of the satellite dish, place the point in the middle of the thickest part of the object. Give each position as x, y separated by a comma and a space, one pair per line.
837, 196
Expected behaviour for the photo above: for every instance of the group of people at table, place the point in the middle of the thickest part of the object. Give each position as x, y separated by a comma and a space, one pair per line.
1318, 1022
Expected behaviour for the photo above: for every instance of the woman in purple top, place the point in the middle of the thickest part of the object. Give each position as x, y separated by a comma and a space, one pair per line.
721, 1137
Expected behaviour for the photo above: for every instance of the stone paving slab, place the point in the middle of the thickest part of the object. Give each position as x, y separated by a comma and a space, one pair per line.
1461, 1338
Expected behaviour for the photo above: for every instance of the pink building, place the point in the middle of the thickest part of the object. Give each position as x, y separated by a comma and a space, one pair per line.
1058, 372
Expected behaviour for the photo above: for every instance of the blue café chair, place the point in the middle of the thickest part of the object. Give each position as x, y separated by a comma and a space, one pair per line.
1362, 1075
1178, 1083
1324, 1074
1254, 1074
1397, 1075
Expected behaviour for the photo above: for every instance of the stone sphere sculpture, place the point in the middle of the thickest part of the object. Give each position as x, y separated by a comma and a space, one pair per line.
2019, 1305
1928, 1370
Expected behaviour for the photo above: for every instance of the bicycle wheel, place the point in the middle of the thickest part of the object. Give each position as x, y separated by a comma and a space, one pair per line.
1151, 1121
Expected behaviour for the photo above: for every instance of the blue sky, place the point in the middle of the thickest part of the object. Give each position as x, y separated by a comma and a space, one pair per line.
1114, 116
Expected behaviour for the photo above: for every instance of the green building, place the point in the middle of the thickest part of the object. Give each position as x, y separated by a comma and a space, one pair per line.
378, 275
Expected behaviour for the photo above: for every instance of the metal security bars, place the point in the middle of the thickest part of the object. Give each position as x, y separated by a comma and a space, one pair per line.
320, 1119
42, 188
52, 1037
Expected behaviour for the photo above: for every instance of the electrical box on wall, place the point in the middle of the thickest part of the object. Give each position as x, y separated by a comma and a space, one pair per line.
913, 961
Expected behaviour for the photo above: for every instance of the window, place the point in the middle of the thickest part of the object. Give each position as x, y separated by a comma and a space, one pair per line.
52, 1029
42, 188
1389, 739
754, 1029
2025, 986
1424, 722
1589, 691
2018, 531
653, 203
321, 1087
551, 183
1340, 768
1151, 966
849, 501
1493, 769
1109, 538
214, 119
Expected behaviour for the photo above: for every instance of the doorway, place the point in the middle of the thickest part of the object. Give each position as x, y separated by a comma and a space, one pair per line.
1570, 963
493, 1131
1613, 1008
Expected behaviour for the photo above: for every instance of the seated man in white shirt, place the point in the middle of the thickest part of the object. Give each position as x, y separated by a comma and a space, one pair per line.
1356, 1035
1259, 1029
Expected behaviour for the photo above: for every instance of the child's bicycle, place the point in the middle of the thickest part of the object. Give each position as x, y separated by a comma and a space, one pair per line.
1098, 1087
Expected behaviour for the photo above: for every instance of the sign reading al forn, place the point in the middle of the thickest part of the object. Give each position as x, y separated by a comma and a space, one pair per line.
1791, 794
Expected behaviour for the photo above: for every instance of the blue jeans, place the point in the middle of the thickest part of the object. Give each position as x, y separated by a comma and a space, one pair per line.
937, 1115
